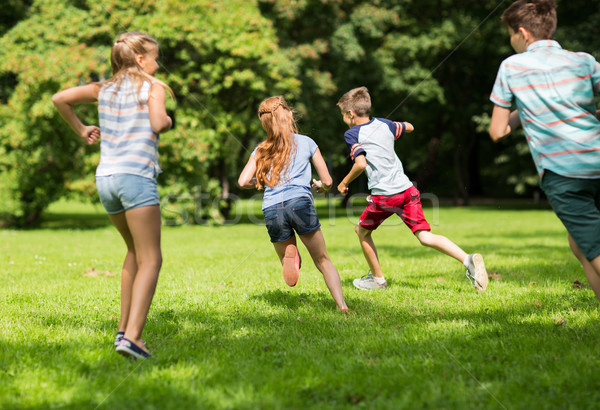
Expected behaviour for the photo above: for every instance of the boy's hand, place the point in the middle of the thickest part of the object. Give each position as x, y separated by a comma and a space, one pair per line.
343, 188
319, 186
90, 134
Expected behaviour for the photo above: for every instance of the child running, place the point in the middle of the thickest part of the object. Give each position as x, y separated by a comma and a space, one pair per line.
553, 90
281, 165
131, 109
371, 145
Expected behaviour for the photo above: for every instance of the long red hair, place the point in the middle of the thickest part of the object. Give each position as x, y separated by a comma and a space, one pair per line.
273, 154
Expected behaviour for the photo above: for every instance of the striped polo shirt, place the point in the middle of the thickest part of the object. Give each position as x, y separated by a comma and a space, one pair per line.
375, 140
554, 93
128, 145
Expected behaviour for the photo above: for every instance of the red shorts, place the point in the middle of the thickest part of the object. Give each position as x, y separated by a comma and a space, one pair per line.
407, 205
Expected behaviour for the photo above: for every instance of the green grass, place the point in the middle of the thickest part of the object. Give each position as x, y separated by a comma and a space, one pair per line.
227, 332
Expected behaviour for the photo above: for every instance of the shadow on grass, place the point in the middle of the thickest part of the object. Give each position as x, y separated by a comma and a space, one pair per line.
81, 221
304, 355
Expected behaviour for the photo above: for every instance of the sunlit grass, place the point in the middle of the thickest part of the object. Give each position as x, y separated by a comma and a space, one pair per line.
226, 331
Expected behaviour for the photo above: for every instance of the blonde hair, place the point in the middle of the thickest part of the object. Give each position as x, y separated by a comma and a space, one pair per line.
357, 100
273, 154
124, 64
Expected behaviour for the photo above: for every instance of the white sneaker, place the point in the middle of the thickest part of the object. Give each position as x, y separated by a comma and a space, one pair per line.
368, 282
476, 272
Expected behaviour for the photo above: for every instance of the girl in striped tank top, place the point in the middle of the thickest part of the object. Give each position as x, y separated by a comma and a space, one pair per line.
132, 113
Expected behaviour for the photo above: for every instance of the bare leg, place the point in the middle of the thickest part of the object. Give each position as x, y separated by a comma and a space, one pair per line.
315, 244
288, 252
129, 268
591, 268
369, 250
280, 247
442, 244
144, 226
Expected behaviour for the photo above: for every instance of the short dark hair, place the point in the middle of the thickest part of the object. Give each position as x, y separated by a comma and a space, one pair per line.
537, 16
357, 100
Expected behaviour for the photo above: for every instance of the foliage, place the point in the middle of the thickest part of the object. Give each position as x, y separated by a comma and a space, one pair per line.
430, 63
418, 62
220, 63
226, 332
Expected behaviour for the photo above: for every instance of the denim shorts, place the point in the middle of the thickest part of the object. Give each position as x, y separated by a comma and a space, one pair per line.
121, 192
576, 202
296, 214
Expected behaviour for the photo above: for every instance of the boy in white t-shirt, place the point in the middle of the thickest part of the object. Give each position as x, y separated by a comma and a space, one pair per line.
371, 145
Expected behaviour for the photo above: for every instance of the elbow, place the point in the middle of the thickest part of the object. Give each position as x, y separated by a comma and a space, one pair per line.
495, 135
245, 182
161, 126
56, 99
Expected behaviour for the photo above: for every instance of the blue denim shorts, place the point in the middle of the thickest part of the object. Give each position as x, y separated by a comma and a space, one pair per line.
121, 192
296, 214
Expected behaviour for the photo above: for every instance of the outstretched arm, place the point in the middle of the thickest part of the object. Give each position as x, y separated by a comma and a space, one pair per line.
64, 101
360, 163
325, 181
503, 122
246, 179
408, 127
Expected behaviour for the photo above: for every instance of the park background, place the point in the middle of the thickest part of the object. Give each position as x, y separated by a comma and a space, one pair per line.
432, 63
225, 330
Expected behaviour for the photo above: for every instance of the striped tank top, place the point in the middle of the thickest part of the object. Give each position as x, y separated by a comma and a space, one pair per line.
128, 145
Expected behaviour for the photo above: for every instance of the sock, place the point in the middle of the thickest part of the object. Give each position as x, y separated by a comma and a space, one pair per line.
380, 280
466, 262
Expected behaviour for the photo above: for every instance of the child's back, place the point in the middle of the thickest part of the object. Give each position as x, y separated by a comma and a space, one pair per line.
554, 92
384, 169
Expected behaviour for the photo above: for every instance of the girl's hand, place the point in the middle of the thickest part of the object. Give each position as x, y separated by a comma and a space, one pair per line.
343, 188
319, 186
90, 134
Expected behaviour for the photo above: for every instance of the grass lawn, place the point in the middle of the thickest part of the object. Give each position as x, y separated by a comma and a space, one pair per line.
226, 332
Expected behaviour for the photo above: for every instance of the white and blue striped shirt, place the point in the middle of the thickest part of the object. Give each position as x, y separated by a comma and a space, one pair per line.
128, 145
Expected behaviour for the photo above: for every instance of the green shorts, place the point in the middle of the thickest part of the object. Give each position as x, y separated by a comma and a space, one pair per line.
576, 202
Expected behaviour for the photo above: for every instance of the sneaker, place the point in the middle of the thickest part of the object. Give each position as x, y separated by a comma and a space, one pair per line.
291, 265
129, 349
476, 272
367, 282
118, 338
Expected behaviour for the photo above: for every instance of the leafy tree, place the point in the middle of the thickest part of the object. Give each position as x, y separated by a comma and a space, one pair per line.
420, 61
221, 59
431, 63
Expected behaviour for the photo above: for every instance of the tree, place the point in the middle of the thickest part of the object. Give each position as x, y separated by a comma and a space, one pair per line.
432, 63
220, 63
418, 60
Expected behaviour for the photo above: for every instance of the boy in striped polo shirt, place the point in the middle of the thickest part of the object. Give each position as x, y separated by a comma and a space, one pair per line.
553, 90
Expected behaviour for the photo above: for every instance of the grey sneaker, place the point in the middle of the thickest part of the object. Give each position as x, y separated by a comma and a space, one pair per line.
367, 282
476, 272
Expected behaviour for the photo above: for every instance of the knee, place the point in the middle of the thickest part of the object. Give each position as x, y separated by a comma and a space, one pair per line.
424, 237
321, 261
361, 232
155, 261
